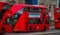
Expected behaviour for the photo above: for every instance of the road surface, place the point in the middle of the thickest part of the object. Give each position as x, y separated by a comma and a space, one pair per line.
52, 32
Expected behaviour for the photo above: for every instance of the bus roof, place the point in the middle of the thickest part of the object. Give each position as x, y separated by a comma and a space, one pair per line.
17, 7
4, 2
36, 6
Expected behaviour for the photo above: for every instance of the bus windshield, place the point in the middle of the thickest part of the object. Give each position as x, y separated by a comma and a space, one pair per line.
12, 20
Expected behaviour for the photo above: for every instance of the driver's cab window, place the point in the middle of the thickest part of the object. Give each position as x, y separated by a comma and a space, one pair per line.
20, 11
12, 20
34, 18
45, 10
58, 11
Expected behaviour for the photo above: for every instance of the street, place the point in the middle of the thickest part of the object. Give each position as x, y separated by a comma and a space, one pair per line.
49, 32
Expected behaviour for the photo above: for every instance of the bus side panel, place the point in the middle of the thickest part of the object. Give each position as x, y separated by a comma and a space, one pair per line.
1, 5
56, 15
7, 14
57, 18
21, 24
46, 25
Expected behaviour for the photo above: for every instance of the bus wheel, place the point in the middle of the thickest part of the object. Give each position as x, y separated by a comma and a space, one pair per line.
44, 28
30, 29
3, 30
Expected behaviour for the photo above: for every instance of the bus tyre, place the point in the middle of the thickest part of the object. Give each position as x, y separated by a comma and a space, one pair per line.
30, 29
44, 28
3, 30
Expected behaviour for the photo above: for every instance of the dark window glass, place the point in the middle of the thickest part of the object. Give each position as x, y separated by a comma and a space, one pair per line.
54, 6
27, 9
34, 21
12, 20
6, 6
57, 11
1, 14
48, 21
8, 20
20, 11
45, 10
36, 10
33, 9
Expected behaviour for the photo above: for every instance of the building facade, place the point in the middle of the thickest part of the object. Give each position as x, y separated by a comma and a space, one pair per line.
51, 4
59, 3
3, 0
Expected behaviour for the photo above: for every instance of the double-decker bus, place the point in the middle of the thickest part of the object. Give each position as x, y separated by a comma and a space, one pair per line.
4, 6
57, 18
24, 18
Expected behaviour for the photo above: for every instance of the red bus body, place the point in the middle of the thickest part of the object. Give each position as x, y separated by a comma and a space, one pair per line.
4, 11
57, 18
22, 24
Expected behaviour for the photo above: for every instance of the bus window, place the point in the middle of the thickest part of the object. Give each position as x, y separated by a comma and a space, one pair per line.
35, 10
34, 21
6, 6
12, 20
45, 10
58, 11
20, 11
8, 20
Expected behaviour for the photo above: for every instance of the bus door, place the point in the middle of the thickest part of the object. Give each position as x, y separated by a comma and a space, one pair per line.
35, 19
34, 22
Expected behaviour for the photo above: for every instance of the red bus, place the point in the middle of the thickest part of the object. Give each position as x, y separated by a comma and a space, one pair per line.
33, 18
4, 6
57, 18
24, 18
